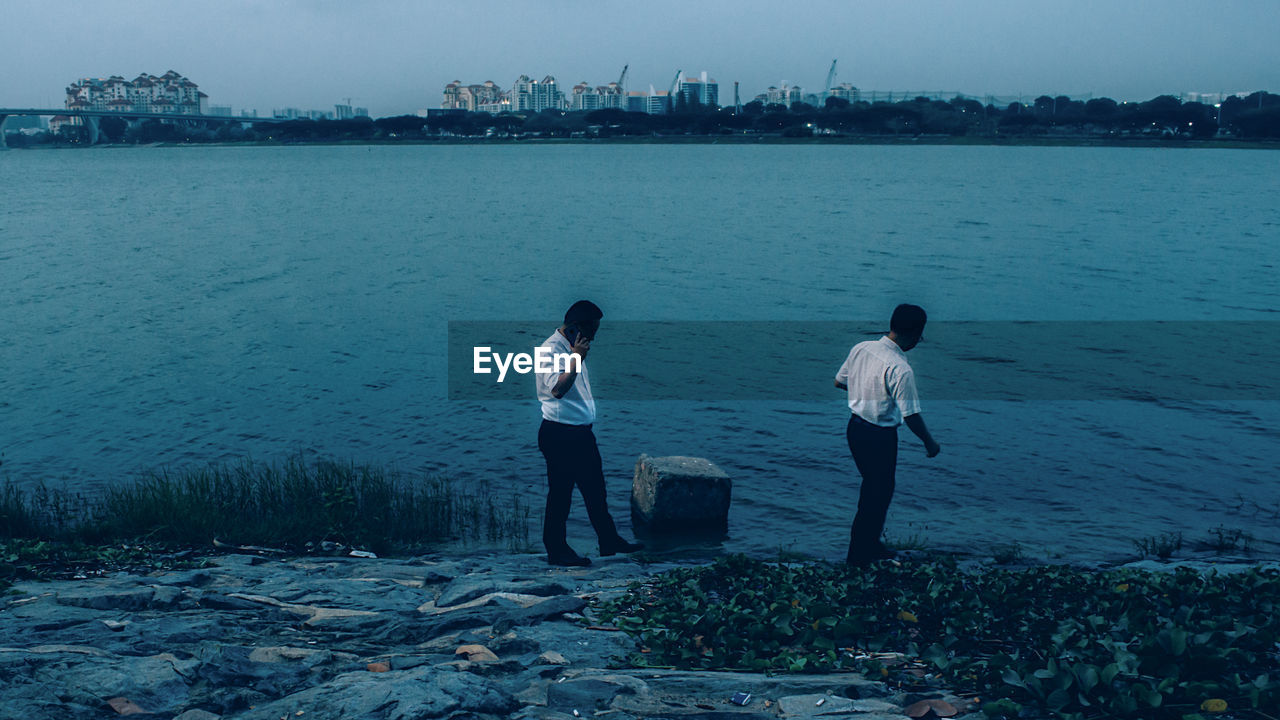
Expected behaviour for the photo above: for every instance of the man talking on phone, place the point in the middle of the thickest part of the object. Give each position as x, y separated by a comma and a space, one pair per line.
882, 396
568, 444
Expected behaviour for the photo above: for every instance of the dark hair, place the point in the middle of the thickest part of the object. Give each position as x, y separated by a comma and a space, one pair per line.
908, 319
583, 311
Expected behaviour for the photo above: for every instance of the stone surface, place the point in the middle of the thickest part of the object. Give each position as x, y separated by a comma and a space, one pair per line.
814, 705
590, 694
684, 494
550, 657
256, 639
407, 695
476, 653
197, 714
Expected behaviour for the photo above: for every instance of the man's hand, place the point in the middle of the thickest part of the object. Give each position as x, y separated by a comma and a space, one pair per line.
581, 347
915, 424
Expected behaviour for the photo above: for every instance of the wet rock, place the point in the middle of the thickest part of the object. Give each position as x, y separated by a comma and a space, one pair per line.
165, 597
542, 713
476, 653
500, 619
820, 705
158, 683
589, 694
197, 714
408, 695
93, 598
284, 653
464, 589
687, 495
235, 666
187, 578
218, 601
550, 657
408, 662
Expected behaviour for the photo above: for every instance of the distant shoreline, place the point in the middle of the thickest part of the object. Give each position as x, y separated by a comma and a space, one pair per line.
1003, 141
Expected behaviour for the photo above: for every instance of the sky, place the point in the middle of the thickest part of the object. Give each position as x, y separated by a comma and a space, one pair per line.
395, 56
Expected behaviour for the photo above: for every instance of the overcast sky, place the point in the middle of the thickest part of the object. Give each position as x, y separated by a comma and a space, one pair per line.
395, 56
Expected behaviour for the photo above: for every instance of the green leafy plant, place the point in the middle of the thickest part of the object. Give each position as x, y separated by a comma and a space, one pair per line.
1069, 643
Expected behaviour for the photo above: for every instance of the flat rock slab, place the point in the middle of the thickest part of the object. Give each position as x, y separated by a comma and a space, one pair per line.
589, 694
407, 695
799, 706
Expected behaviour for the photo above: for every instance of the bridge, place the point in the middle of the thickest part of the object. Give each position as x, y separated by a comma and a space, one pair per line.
93, 116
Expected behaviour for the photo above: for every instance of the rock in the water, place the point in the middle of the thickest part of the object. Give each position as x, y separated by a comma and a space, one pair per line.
687, 494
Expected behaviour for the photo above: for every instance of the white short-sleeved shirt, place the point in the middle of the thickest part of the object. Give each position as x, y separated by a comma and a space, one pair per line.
577, 407
882, 386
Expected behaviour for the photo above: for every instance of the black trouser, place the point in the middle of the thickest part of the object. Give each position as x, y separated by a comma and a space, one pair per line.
572, 459
875, 451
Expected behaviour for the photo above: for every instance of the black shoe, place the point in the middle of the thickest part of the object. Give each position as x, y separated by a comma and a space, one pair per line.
567, 558
876, 555
885, 553
619, 545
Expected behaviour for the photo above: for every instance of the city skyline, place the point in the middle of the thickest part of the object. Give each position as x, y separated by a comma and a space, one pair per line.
394, 57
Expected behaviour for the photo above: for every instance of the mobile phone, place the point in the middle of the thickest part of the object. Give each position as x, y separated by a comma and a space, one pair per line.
571, 333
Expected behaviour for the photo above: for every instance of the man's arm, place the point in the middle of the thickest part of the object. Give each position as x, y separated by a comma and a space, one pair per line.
566, 379
915, 423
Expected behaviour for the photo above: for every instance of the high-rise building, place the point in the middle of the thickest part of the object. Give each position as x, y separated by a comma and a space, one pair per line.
146, 93
534, 96
658, 103
636, 102
343, 112
586, 97
470, 97
785, 95
845, 91
700, 89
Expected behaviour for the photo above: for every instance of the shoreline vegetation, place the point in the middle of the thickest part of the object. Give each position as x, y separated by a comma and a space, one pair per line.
1050, 641
1239, 122
293, 507
1008, 637
915, 140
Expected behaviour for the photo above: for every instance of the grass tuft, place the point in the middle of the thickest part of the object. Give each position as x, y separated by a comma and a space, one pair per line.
284, 506
1161, 546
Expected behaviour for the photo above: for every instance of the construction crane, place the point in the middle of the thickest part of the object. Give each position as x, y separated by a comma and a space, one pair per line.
671, 94
622, 79
831, 78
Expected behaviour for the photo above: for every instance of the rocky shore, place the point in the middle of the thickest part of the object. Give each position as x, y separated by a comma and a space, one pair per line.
263, 638
259, 637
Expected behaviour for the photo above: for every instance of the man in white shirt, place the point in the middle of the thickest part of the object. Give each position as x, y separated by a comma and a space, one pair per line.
882, 396
569, 446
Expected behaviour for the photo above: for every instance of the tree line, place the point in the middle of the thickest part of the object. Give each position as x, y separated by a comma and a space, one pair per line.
1256, 116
